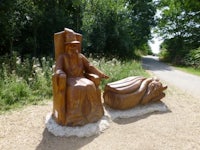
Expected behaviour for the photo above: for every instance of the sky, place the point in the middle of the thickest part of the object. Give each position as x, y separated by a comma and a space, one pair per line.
156, 41
155, 45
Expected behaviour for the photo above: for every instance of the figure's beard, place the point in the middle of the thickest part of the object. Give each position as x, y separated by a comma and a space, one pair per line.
73, 55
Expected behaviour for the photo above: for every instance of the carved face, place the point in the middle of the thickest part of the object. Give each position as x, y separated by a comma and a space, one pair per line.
71, 49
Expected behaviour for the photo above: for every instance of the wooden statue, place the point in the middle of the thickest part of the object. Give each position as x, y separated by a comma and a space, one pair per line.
76, 96
132, 91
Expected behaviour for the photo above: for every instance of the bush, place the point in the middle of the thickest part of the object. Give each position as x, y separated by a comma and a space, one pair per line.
193, 58
117, 70
24, 82
15, 90
29, 81
164, 55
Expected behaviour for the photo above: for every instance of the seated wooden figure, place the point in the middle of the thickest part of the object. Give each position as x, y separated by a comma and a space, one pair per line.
76, 96
132, 91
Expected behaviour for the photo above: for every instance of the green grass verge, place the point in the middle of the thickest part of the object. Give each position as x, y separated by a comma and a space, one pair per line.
189, 70
22, 86
117, 70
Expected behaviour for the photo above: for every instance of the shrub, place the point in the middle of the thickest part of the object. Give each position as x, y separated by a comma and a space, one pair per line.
117, 70
164, 55
24, 82
29, 81
193, 58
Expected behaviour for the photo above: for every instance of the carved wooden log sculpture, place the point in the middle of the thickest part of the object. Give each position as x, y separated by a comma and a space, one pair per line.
132, 91
76, 96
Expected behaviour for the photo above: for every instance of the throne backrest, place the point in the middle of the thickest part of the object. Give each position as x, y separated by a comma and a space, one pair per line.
59, 42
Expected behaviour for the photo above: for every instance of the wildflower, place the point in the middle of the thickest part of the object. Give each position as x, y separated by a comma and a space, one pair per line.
36, 66
18, 60
19, 79
13, 71
38, 69
30, 79
43, 58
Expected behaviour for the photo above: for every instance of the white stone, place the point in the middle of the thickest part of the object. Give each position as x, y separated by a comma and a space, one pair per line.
104, 123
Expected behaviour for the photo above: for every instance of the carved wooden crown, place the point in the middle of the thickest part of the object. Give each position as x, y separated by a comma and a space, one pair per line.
64, 37
70, 37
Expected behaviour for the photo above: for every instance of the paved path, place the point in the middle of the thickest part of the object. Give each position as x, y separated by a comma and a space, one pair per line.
184, 81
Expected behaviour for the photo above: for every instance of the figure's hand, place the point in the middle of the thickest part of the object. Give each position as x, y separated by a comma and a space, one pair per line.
61, 73
104, 76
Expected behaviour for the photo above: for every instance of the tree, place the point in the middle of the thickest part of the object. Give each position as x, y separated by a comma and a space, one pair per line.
55, 15
179, 24
27, 26
110, 27
15, 18
142, 20
117, 28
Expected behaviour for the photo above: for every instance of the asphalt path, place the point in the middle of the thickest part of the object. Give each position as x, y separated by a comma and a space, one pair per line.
186, 82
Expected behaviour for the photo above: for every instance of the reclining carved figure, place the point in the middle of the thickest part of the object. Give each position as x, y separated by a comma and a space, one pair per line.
132, 91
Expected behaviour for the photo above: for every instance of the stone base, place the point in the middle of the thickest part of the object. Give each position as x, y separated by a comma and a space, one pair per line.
137, 111
80, 131
104, 123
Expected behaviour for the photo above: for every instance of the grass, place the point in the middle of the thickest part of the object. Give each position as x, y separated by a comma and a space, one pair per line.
24, 83
189, 70
117, 70
29, 82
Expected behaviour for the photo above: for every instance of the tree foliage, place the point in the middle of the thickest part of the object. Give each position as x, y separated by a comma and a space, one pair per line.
117, 28
179, 25
109, 27
27, 26
15, 18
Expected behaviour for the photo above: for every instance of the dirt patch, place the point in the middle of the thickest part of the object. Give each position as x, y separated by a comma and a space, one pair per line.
179, 128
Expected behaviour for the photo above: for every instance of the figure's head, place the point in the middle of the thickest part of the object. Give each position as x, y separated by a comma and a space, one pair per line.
71, 43
72, 48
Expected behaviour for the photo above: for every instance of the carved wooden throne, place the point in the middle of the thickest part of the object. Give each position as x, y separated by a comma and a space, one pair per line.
59, 82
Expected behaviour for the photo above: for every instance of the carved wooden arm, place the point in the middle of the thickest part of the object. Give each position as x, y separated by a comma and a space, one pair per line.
94, 78
59, 89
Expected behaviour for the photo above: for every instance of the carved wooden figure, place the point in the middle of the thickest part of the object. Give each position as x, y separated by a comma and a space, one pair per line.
132, 91
76, 96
